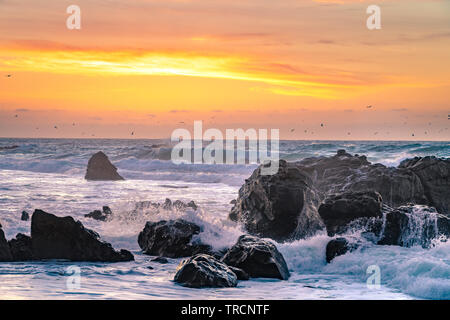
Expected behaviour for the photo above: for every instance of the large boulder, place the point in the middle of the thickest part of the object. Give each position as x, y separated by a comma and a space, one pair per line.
5, 252
202, 271
281, 206
338, 211
434, 174
258, 258
53, 237
411, 225
101, 169
21, 248
172, 239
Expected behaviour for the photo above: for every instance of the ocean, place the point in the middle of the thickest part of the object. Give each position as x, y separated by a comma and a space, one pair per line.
49, 174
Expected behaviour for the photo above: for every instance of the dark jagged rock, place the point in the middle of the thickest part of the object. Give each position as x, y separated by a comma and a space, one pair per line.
25, 216
259, 258
101, 169
5, 251
100, 215
434, 174
167, 205
273, 206
172, 239
53, 237
203, 271
339, 210
338, 247
411, 225
161, 260
240, 274
281, 206
346, 173
21, 248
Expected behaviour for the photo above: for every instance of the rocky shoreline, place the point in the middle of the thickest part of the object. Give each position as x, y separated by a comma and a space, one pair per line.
340, 195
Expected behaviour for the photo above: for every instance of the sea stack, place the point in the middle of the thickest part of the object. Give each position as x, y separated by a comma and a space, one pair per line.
101, 169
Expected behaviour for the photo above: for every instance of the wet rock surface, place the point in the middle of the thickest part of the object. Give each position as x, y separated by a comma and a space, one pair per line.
53, 237
285, 206
205, 271
282, 206
338, 211
5, 252
172, 239
258, 258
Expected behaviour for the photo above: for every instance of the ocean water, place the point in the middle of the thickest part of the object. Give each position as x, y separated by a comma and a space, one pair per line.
49, 174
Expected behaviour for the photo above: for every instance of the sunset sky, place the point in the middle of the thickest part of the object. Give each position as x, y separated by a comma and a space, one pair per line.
150, 66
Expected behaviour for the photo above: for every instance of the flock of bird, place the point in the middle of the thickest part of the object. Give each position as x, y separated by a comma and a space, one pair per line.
292, 129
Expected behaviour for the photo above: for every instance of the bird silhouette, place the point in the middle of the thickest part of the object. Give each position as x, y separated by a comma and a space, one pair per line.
292, 130
369, 107
9, 75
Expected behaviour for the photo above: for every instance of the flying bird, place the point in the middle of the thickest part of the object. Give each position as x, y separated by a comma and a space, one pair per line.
9, 75
369, 107
321, 124
292, 130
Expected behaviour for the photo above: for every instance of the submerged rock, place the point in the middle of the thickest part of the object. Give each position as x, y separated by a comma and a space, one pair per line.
172, 239
101, 169
338, 211
338, 247
102, 215
161, 260
5, 252
281, 206
21, 248
411, 225
202, 270
53, 237
258, 258
25, 216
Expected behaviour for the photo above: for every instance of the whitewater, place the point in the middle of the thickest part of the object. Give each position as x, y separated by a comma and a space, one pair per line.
49, 174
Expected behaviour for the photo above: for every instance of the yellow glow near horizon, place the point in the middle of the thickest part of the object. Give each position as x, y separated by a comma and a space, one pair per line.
166, 64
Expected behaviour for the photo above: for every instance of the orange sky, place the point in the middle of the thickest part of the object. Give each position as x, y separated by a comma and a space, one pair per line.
149, 65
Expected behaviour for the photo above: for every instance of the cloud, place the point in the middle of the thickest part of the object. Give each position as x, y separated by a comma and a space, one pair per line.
22, 110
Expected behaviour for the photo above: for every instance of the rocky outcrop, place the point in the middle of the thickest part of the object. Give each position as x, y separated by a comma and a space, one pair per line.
5, 252
434, 174
21, 248
411, 225
338, 211
25, 216
100, 215
172, 239
284, 206
258, 258
202, 271
338, 247
281, 206
101, 169
53, 237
